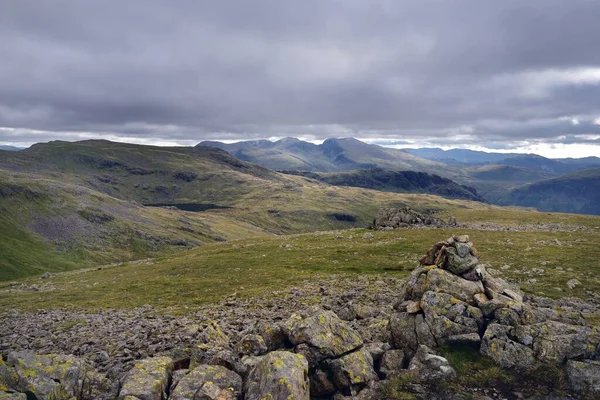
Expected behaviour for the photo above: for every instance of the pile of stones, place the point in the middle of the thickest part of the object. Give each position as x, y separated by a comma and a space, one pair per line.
450, 298
405, 217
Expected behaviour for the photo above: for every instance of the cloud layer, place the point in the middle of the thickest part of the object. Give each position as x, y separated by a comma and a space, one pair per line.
500, 74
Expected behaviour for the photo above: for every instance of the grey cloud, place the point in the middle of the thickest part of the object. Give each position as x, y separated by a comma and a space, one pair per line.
396, 70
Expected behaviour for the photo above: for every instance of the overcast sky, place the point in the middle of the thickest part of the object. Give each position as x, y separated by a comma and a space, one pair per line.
499, 75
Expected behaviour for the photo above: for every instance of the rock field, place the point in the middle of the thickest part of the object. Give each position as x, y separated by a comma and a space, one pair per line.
336, 338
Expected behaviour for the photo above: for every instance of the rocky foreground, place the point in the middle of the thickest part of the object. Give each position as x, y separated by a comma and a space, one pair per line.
337, 338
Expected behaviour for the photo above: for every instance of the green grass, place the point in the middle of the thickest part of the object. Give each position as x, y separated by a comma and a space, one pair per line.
475, 371
186, 280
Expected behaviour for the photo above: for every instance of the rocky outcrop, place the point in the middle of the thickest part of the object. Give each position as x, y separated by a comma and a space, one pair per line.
391, 218
341, 350
450, 298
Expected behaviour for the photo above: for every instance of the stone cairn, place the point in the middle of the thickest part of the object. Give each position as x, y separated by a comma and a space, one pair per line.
450, 298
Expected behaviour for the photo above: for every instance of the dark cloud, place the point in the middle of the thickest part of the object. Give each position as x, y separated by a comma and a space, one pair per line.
397, 71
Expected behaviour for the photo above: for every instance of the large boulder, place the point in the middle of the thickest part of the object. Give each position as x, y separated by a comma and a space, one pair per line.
147, 380
321, 336
45, 376
208, 382
279, 375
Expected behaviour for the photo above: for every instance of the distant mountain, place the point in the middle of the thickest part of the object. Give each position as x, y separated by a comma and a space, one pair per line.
459, 156
332, 155
532, 161
575, 193
508, 173
10, 148
540, 163
395, 181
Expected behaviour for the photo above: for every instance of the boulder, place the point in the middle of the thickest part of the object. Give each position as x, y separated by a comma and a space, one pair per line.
251, 345
403, 333
280, 375
460, 259
430, 367
392, 362
321, 382
497, 345
214, 336
323, 334
354, 369
584, 376
45, 376
272, 335
556, 341
443, 281
209, 382
448, 316
147, 380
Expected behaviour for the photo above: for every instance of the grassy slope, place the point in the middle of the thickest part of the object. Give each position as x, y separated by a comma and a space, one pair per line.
47, 225
252, 266
70, 179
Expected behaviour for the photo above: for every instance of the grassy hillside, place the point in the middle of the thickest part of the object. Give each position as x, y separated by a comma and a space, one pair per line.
578, 193
74, 205
181, 282
395, 181
48, 225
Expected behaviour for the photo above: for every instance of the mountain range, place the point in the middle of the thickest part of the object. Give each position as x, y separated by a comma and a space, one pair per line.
494, 176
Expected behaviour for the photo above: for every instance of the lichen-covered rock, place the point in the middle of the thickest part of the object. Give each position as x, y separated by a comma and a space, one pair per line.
377, 349
273, 335
324, 334
251, 345
214, 336
402, 332
354, 369
97, 386
429, 367
12, 396
392, 362
147, 380
448, 316
584, 376
209, 382
280, 375
556, 341
460, 259
439, 280
497, 345
45, 376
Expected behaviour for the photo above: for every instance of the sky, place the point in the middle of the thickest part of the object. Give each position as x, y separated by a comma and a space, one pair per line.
506, 75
